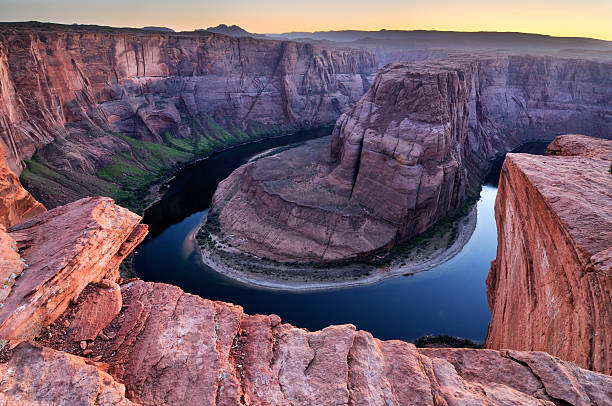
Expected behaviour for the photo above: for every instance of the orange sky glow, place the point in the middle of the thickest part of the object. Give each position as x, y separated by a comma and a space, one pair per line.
586, 18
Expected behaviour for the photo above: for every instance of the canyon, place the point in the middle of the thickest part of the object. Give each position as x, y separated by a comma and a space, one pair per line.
410, 151
552, 278
98, 110
101, 110
92, 338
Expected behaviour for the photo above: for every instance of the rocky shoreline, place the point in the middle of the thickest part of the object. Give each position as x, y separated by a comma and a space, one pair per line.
274, 275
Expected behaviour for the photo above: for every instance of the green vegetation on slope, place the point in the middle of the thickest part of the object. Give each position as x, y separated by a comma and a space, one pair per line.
129, 176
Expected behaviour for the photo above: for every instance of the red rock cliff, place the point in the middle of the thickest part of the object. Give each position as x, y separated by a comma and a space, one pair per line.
77, 83
55, 255
550, 287
90, 341
16, 204
169, 347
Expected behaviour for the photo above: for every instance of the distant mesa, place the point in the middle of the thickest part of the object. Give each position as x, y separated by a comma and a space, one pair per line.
232, 31
153, 28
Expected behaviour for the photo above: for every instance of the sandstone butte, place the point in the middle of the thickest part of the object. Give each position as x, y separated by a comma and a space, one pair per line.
77, 334
409, 152
550, 287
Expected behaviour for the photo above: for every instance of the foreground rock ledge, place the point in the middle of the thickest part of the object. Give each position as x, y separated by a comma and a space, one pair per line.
42, 376
550, 287
170, 347
58, 253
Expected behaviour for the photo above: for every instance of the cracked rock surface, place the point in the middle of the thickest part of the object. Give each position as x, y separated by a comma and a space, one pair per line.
171, 347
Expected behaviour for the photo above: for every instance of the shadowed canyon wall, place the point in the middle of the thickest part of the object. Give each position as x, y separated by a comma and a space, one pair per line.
97, 97
550, 287
407, 153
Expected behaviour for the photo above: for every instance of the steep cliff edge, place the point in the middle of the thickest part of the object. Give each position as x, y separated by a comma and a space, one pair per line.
170, 347
16, 204
393, 169
408, 153
59, 253
90, 341
81, 95
550, 287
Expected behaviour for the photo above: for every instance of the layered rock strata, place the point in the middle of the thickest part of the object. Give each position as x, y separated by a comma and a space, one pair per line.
550, 287
406, 154
56, 255
75, 84
42, 376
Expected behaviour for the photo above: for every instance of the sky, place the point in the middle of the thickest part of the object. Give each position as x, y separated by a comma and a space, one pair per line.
582, 18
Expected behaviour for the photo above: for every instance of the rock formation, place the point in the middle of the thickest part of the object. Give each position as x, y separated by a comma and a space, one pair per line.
69, 334
170, 347
406, 154
16, 204
550, 287
393, 169
42, 376
76, 87
60, 252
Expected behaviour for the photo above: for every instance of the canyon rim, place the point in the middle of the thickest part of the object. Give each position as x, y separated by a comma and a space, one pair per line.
96, 121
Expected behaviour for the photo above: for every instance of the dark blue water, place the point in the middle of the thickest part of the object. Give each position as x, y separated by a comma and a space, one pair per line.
450, 299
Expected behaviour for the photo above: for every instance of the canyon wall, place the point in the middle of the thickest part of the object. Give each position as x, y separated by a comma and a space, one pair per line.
408, 153
73, 332
550, 287
16, 204
77, 87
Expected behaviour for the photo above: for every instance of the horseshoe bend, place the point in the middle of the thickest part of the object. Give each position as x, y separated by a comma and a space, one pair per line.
88, 112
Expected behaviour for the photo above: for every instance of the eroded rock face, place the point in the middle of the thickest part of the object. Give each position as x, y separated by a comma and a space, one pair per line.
406, 154
16, 204
550, 287
76, 84
393, 169
42, 376
61, 252
170, 347
165, 346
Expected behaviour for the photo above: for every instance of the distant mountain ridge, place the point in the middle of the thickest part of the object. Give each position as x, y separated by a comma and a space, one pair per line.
450, 38
153, 28
232, 31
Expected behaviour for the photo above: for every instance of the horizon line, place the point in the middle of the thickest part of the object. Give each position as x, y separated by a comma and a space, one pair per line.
308, 32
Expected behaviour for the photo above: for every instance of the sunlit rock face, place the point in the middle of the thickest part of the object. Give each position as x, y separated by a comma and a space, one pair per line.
59, 253
550, 287
16, 204
170, 347
412, 148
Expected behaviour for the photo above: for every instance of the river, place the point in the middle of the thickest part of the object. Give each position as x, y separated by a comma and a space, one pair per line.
449, 299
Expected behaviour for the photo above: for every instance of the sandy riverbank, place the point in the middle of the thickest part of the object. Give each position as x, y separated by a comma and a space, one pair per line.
289, 277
